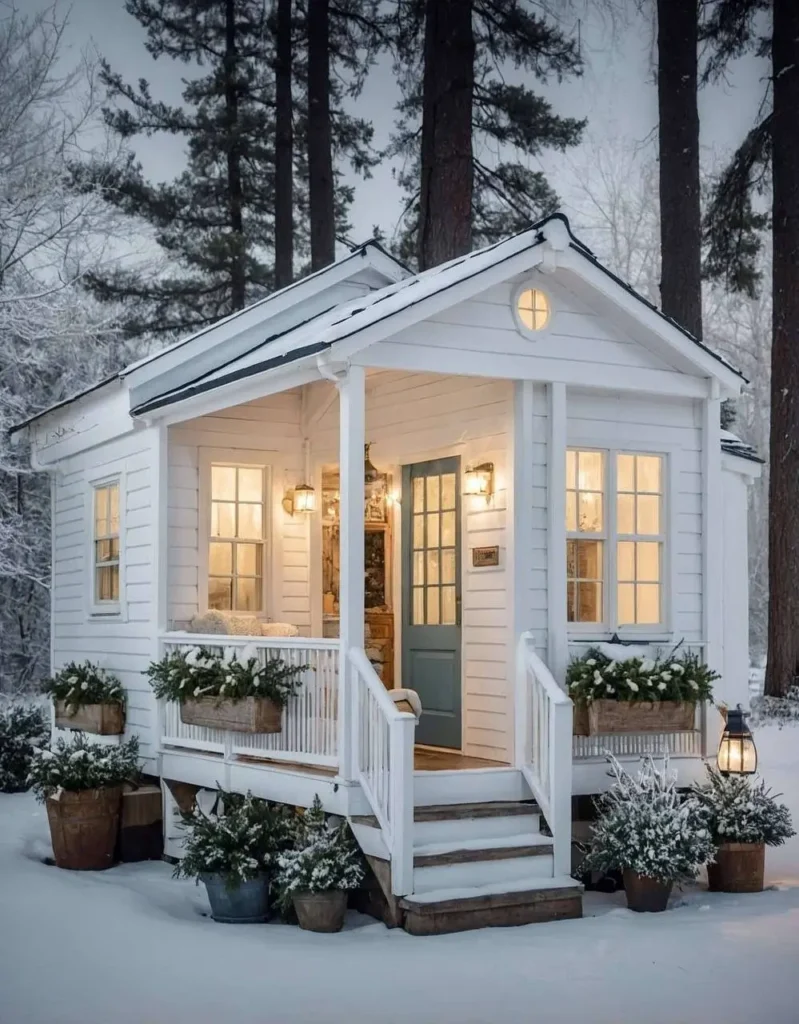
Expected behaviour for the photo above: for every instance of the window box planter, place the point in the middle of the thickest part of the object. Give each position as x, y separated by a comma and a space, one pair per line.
580, 723
100, 719
739, 867
84, 827
618, 716
250, 714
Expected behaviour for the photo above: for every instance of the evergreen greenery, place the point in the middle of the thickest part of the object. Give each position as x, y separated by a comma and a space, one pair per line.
77, 764
646, 826
676, 677
84, 683
232, 675
323, 857
240, 839
739, 810
23, 728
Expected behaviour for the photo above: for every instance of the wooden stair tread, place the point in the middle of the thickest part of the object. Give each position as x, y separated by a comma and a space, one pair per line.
497, 894
455, 812
468, 851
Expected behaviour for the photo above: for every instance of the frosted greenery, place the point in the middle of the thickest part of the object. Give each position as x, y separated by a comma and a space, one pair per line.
23, 728
78, 764
678, 676
645, 825
739, 810
84, 683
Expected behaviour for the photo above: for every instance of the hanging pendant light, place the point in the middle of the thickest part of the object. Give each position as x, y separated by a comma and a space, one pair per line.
372, 477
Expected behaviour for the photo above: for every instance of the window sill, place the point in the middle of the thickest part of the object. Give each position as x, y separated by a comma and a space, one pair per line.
110, 611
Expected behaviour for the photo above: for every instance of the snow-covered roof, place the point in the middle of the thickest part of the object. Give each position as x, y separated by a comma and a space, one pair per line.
733, 444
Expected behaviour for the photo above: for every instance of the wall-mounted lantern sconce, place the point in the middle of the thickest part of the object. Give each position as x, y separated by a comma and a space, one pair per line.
479, 480
301, 500
737, 752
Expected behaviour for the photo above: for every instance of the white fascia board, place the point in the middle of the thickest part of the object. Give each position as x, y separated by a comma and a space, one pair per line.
739, 464
100, 417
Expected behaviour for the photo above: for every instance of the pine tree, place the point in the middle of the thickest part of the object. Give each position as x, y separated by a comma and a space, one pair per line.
457, 195
678, 129
284, 146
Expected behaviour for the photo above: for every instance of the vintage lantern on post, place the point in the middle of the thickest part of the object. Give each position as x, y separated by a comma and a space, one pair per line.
737, 753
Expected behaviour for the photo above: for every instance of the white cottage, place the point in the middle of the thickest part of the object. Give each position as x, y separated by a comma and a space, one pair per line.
544, 470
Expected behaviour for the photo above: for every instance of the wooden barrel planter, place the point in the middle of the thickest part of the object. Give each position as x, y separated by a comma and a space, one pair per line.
84, 827
101, 719
739, 867
621, 716
250, 714
646, 895
321, 911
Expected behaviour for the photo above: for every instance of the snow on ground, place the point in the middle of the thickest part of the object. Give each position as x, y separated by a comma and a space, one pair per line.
133, 945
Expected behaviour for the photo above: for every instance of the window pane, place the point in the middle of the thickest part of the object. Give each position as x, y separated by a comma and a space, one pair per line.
432, 493
571, 511
589, 560
625, 513
113, 500
223, 483
448, 529
625, 560
248, 559
251, 484
589, 602
418, 494
571, 602
649, 473
219, 594
571, 559
589, 471
526, 316
115, 548
418, 606
626, 602
625, 472
448, 612
590, 512
220, 559
247, 595
448, 490
648, 514
571, 470
101, 511
432, 606
647, 563
448, 565
432, 567
432, 529
418, 531
107, 583
250, 521
418, 568
648, 603
102, 551
223, 519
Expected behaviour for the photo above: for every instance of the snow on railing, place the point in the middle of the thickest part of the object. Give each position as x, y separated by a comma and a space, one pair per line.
309, 733
383, 741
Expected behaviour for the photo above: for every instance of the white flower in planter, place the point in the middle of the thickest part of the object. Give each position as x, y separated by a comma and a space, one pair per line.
661, 686
677, 667
84, 686
666, 676
591, 662
633, 686
647, 665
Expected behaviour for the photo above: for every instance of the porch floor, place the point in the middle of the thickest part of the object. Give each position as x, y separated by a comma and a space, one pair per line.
426, 759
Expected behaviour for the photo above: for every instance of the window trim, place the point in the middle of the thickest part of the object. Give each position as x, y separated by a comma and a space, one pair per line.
600, 631
246, 457
105, 609
521, 327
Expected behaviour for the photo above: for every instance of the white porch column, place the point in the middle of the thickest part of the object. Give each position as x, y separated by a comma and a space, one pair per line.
520, 563
558, 642
352, 426
712, 552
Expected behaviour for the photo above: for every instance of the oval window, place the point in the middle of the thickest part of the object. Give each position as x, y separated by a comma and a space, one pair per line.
533, 309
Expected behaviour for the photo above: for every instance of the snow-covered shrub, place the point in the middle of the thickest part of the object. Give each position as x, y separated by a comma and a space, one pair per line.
77, 764
240, 839
84, 683
738, 810
645, 825
324, 857
677, 677
779, 710
233, 675
23, 728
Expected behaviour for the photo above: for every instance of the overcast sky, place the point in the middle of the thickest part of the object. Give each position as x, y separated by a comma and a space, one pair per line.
616, 94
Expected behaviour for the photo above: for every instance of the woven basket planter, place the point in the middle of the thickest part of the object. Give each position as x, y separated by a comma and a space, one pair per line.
101, 719
84, 827
739, 867
620, 716
250, 714
321, 911
580, 725
646, 895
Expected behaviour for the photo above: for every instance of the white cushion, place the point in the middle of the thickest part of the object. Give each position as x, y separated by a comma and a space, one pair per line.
279, 629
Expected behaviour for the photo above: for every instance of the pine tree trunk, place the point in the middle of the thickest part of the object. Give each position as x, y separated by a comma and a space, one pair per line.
237, 251
447, 174
680, 213
320, 145
783, 624
284, 150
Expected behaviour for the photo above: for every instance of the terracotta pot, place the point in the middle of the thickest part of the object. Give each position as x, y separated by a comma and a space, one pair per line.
84, 827
247, 903
321, 911
644, 894
250, 714
622, 716
739, 867
100, 719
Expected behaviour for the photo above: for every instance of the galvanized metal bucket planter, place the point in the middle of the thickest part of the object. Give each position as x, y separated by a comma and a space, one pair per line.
247, 903
101, 719
644, 894
84, 827
622, 716
321, 911
250, 714
739, 867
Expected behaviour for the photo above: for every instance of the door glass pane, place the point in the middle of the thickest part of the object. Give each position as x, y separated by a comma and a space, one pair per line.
247, 559
647, 562
589, 471
625, 513
590, 512
418, 606
418, 531
432, 606
432, 493
418, 568
246, 595
432, 567
626, 560
220, 559
448, 490
250, 521
648, 603
432, 529
448, 565
448, 529
251, 484
625, 473
418, 494
223, 483
571, 511
223, 519
219, 594
649, 473
648, 514
626, 602
448, 612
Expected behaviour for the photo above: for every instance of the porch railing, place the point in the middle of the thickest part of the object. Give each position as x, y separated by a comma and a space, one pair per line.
309, 734
544, 746
383, 740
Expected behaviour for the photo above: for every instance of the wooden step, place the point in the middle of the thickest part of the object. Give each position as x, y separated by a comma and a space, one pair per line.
528, 844
456, 812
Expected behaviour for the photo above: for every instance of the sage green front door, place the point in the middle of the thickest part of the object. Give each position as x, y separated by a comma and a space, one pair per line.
431, 597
